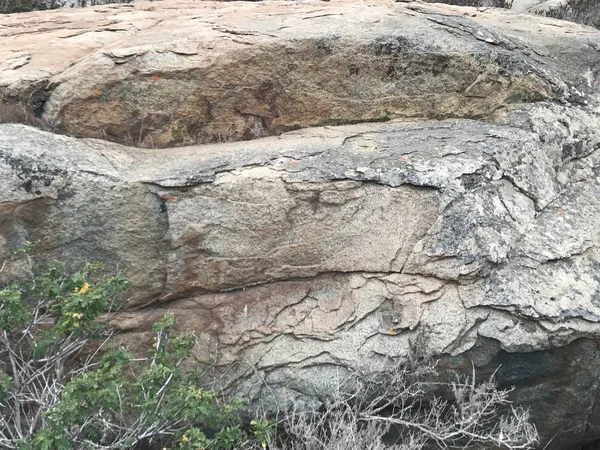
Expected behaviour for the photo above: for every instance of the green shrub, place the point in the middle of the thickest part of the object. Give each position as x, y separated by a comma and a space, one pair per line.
62, 388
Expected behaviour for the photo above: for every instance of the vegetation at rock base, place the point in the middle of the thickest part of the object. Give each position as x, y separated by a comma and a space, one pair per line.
62, 387
65, 386
397, 409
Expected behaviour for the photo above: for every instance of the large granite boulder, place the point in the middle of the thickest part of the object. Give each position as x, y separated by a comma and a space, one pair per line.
337, 246
160, 74
294, 256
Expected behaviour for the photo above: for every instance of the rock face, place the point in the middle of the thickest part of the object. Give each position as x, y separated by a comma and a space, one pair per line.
161, 74
335, 246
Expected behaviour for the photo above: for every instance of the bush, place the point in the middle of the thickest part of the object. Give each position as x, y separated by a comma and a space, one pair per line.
507, 4
399, 410
62, 388
585, 12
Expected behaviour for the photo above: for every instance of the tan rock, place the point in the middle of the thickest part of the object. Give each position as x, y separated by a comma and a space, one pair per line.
338, 246
293, 257
177, 72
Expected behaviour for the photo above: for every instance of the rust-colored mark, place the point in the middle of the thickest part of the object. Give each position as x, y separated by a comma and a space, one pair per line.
156, 77
169, 198
96, 93
392, 331
293, 161
560, 211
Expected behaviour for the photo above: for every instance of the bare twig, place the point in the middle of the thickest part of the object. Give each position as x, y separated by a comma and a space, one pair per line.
401, 399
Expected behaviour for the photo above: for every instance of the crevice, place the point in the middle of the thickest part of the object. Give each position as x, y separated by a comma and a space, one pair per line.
466, 330
558, 259
521, 190
195, 292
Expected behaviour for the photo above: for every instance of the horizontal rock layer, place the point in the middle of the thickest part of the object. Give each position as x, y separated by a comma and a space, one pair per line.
162, 74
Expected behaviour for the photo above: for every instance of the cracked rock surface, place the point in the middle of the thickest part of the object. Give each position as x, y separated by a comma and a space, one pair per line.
338, 245
466, 222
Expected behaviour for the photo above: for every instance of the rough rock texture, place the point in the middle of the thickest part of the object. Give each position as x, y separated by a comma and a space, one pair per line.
159, 74
294, 256
340, 245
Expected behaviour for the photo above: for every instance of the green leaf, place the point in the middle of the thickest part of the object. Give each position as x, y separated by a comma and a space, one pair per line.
14, 312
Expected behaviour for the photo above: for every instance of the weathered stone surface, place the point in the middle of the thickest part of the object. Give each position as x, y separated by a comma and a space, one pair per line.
339, 245
536, 5
158, 74
296, 255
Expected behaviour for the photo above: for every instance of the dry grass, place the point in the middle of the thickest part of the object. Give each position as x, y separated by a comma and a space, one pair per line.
399, 409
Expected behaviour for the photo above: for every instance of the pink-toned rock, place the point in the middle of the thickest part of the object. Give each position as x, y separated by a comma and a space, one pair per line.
177, 72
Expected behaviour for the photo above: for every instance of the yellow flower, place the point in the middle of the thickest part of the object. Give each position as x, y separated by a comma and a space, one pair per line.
83, 289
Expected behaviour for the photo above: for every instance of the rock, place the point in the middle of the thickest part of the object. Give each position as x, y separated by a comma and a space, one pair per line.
163, 74
341, 245
470, 231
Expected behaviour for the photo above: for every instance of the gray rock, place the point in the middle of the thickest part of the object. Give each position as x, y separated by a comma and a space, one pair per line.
470, 230
339, 246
